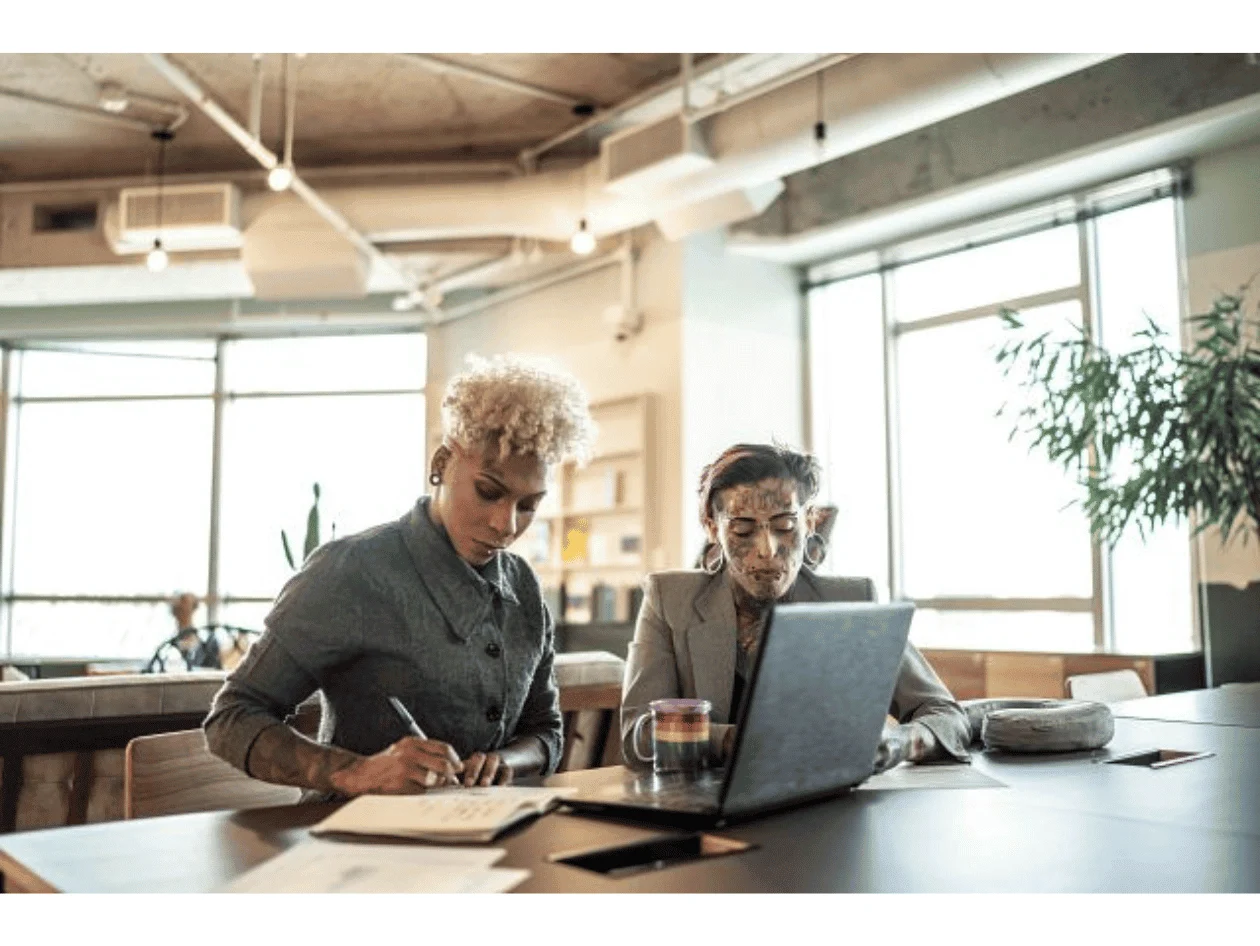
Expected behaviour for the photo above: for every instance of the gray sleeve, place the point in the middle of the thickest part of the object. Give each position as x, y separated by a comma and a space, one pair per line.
651, 669
920, 696
314, 625
264, 688
540, 715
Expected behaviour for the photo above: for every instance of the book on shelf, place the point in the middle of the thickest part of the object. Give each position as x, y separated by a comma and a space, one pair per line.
634, 602
553, 597
603, 604
538, 542
574, 551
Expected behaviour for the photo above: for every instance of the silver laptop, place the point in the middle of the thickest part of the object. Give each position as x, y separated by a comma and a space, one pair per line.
809, 725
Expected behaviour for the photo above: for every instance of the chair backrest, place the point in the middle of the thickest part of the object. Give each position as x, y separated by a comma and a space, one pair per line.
1110, 687
174, 773
590, 697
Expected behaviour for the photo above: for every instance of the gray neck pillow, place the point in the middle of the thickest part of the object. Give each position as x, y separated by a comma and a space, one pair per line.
1037, 725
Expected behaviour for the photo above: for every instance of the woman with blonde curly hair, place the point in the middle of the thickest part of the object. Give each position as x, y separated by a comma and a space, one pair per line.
431, 609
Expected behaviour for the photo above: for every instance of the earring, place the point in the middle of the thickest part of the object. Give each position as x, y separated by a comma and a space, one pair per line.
435, 478
713, 563
815, 549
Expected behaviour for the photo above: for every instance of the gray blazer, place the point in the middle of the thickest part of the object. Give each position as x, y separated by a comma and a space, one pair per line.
684, 646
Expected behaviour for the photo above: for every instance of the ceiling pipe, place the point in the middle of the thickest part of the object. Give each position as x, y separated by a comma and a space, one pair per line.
443, 168
440, 65
867, 99
333, 217
178, 113
91, 112
622, 255
256, 97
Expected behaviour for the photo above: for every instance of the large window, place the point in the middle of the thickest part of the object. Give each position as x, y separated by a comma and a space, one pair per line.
112, 499
937, 503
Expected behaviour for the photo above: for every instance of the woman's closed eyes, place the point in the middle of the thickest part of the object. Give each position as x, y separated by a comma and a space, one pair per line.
492, 494
784, 524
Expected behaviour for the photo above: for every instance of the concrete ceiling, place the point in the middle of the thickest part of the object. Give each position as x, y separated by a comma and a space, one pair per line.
352, 109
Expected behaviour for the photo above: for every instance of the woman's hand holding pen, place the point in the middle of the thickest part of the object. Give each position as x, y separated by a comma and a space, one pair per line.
410, 765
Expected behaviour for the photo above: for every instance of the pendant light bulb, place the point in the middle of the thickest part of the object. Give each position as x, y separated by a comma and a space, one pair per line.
113, 97
280, 177
583, 242
157, 258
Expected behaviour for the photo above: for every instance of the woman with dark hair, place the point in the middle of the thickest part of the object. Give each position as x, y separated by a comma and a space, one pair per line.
698, 630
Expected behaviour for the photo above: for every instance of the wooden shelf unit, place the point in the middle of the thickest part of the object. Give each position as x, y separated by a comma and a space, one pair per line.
594, 527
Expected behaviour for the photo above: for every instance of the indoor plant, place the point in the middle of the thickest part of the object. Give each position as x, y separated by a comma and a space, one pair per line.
1154, 433
311, 542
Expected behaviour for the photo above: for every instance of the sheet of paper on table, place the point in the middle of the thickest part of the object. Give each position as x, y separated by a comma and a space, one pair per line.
321, 866
908, 775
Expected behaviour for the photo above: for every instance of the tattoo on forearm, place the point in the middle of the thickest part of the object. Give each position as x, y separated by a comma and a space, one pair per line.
284, 756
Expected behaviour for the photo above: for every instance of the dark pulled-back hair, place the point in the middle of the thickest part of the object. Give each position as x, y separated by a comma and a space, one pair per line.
747, 463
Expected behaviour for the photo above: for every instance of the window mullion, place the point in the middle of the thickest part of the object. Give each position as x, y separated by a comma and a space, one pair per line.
891, 433
216, 481
1104, 624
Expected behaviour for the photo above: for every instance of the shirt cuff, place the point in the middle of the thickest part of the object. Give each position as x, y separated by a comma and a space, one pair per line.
244, 733
948, 738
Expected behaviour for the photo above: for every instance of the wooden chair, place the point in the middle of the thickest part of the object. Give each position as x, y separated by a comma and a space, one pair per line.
175, 773
590, 702
1110, 687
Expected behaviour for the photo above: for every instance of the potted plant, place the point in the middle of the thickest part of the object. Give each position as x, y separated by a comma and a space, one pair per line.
312, 540
1156, 434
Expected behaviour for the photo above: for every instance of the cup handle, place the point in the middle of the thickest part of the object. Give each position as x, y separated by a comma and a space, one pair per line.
634, 737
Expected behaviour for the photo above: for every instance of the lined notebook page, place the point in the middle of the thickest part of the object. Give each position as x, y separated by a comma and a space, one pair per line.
453, 811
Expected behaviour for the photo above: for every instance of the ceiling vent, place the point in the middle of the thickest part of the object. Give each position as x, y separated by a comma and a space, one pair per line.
647, 157
194, 217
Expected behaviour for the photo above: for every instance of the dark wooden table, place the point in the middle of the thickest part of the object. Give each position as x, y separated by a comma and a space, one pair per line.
1236, 704
1070, 823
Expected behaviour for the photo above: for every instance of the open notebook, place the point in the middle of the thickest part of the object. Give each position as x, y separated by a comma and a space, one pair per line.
449, 815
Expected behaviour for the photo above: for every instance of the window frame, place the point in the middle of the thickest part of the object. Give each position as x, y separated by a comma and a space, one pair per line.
10, 427
1088, 208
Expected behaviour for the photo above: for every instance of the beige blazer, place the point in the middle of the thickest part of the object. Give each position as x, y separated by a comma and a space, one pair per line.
685, 644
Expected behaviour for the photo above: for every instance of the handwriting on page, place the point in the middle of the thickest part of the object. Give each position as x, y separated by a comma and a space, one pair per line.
466, 811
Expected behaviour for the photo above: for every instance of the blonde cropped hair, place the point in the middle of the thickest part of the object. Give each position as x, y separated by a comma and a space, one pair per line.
520, 405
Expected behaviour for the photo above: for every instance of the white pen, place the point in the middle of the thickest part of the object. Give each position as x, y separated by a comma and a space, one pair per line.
430, 777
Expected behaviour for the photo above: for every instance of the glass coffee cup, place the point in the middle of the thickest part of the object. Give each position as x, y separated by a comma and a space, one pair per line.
680, 735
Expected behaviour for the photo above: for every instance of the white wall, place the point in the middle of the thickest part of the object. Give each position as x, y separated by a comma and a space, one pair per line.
564, 323
741, 360
1222, 239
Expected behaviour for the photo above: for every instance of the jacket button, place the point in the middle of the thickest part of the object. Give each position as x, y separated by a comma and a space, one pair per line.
494, 714
493, 649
